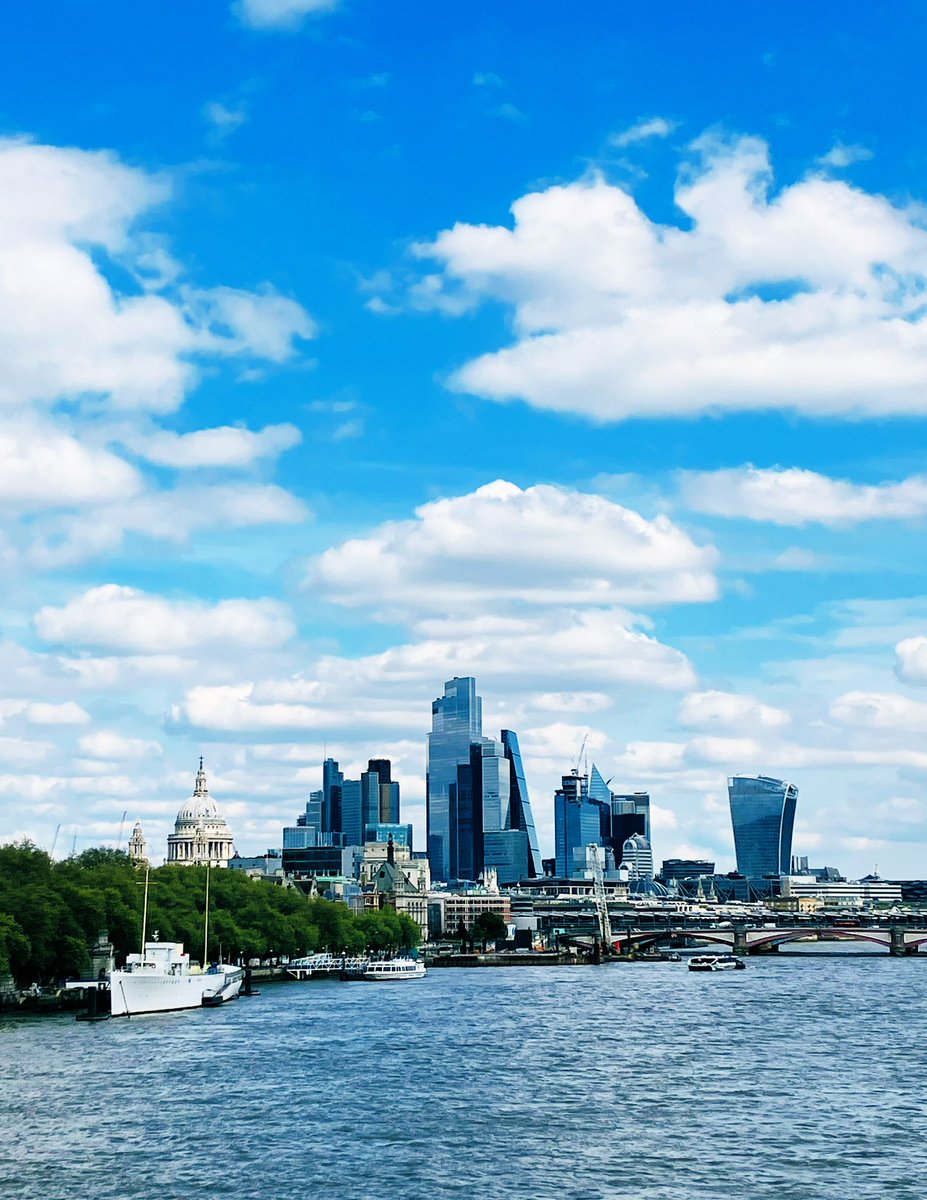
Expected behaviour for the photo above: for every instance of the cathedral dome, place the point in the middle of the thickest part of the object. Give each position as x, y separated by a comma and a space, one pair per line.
200, 832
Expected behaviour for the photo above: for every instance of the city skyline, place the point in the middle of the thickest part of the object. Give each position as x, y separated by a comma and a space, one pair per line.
349, 347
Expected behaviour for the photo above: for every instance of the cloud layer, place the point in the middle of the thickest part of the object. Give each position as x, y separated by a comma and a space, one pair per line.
807, 299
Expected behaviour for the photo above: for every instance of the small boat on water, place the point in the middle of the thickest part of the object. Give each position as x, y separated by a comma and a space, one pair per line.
716, 962
393, 969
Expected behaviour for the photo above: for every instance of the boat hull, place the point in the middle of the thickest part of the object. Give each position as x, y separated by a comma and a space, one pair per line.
134, 992
223, 986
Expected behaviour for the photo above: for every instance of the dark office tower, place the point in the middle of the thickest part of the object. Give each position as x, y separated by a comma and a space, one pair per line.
464, 861
389, 791
456, 721
520, 815
762, 814
630, 817
332, 779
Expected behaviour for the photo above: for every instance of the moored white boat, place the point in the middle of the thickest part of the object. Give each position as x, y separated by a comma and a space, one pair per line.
162, 980
393, 969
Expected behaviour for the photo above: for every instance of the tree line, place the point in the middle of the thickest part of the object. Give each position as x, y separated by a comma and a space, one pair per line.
51, 911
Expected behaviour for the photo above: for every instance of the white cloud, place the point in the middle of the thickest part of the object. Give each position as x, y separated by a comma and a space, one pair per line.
125, 619
226, 446
280, 14
880, 710
641, 131
810, 299
40, 712
223, 119
43, 467
843, 155
729, 711
792, 496
172, 516
107, 744
911, 660
503, 545
66, 331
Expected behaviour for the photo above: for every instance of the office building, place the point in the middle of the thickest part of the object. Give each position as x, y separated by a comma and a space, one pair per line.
762, 814
577, 820
685, 868
456, 723
520, 814
332, 779
382, 831
637, 857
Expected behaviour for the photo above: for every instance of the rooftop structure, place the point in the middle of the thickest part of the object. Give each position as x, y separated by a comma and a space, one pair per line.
201, 837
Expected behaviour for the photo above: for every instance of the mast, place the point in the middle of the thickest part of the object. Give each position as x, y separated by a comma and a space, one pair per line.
206, 922
145, 912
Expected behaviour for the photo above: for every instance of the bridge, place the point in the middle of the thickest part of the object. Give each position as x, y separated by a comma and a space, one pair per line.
898, 940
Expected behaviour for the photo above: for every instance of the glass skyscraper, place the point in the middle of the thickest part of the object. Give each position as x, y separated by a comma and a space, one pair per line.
520, 814
762, 814
456, 723
577, 821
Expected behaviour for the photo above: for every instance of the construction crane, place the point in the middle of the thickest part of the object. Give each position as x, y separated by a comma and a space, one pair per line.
579, 757
122, 829
601, 901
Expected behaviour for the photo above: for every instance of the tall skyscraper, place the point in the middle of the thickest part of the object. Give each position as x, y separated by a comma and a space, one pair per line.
332, 779
520, 814
577, 820
456, 723
762, 814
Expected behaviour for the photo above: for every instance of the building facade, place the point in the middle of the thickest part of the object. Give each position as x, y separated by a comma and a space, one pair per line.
456, 723
763, 816
201, 836
577, 821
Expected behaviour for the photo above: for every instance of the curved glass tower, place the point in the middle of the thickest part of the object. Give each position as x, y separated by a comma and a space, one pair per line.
762, 814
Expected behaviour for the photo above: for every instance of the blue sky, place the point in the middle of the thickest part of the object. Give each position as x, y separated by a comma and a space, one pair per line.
348, 346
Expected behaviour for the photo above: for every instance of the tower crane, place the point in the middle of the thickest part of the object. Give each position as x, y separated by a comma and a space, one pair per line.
601, 901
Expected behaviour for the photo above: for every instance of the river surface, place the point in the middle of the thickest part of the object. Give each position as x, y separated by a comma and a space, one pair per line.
801, 1077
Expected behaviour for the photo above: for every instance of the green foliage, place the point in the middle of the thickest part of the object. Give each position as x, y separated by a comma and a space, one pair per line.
489, 927
50, 912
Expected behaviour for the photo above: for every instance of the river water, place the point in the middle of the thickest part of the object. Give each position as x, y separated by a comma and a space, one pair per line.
798, 1078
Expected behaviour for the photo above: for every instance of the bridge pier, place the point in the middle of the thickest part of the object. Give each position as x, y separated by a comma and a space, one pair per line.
740, 942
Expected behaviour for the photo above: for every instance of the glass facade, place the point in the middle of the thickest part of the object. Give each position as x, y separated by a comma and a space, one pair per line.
352, 821
506, 850
577, 821
521, 816
456, 722
762, 814
384, 830
332, 779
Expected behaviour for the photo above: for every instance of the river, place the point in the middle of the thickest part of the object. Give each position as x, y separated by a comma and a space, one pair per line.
801, 1077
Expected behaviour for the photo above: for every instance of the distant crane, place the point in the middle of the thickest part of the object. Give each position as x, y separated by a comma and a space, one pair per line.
601, 900
122, 828
55, 840
579, 757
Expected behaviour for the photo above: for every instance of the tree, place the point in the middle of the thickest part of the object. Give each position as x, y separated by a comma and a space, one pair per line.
489, 927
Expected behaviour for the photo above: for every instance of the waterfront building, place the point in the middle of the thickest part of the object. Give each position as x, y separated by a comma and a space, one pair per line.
855, 893
415, 866
762, 815
577, 820
138, 847
201, 836
456, 723
392, 886
447, 910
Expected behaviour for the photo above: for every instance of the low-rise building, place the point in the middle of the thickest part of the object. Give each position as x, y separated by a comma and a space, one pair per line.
447, 910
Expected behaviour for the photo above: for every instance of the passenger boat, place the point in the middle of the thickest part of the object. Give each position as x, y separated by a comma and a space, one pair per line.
393, 969
162, 980
716, 962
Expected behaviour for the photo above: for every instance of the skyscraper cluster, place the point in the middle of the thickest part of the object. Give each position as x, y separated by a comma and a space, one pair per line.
587, 812
350, 812
478, 809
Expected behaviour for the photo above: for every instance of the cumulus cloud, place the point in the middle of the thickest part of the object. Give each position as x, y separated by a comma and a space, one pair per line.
66, 331
808, 299
41, 712
792, 496
226, 446
844, 155
911, 660
280, 14
642, 131
42, 467
124, 619
107, 744
503, 545
729, 710
880, 710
